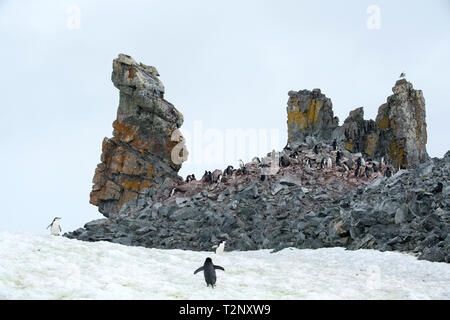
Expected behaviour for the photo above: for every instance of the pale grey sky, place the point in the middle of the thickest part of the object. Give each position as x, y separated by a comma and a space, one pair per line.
226, 65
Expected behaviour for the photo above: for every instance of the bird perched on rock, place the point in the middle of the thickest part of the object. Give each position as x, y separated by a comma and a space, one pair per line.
284, 161
374, 167
315, 149
207, 176
329, 163
209, 271
228, 171
402, 75
388, 172
256, 160
367, 172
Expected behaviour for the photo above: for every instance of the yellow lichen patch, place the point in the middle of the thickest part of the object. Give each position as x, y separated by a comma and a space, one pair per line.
383, 123
313, 111
298, 118
136, 185
150, 171
130, 72
397, 153
348, 146
124, 132
130, 184
305, 119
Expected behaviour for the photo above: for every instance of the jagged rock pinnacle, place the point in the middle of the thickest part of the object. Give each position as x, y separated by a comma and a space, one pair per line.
145, 134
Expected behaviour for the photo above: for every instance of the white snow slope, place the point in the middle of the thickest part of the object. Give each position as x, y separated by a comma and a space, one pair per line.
51, 267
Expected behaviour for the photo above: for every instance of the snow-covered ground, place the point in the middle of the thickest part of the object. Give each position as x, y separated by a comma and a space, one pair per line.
48, 267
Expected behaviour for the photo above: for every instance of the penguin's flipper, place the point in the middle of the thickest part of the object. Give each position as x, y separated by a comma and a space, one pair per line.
60, 229
49, 226
219, 267
198, 270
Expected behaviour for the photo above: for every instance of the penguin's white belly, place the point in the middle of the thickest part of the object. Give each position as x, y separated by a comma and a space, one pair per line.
219, 250
55, 229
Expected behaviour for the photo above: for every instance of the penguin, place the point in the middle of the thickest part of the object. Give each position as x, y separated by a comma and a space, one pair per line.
382, 161
323, 163
193, 177
244, 170
338, 162
207, 177
55, 228
221, 247
374, 167
256, 160
188, 178
388, 172
357, 171
241, 163
329, 163
346, 167
288, 147
363, 163
293, 155
358, 161
284, 161
308, 163
209, 271
228, 171
315, 149
172, 192
334, 144
367, 172
263, 177
216, 175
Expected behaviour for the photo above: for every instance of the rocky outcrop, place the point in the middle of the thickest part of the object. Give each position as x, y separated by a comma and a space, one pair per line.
146, 147
398, 134
359, 135
309, 113
403, 130
307, 196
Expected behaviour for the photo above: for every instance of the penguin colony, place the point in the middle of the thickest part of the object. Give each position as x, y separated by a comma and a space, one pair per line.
321, 156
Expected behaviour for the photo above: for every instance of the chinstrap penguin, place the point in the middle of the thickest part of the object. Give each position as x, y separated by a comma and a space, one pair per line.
55, 228
209, 271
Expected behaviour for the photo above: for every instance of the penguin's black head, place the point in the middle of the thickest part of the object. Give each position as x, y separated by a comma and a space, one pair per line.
208, 260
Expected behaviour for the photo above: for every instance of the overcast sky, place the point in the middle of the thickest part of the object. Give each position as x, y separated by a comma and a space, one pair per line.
227, 66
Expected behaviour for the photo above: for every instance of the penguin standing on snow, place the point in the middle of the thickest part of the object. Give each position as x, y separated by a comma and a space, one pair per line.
209, 271
55, 228
221, 247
